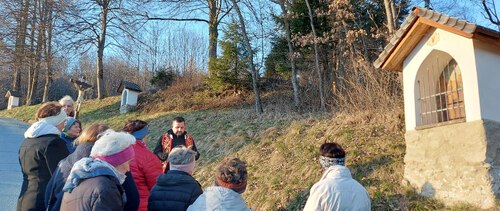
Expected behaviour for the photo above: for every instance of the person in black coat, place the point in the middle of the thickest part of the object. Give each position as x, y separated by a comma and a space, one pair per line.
54, 192
176, 189
39, 154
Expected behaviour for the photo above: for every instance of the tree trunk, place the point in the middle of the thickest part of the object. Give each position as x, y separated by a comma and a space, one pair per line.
295, 85
248, 47
316, 59
39, 48
32, 57
389, 16
213, 34
19, 59
101, 40
394, 15
48, 51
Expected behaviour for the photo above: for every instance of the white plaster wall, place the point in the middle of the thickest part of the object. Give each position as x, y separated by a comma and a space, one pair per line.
487, 58
13, 102
124, 97
132, 98
458, 47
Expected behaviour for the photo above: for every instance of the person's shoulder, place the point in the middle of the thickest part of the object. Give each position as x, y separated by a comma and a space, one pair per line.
101, 183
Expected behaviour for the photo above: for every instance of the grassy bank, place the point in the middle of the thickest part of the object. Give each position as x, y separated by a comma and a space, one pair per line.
281, 150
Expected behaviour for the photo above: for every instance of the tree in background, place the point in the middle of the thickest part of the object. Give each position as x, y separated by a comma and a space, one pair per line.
163, 78
89, 23
253, 70
191, 11
490, 9
349, 34
229, 73
284, 4
316, 59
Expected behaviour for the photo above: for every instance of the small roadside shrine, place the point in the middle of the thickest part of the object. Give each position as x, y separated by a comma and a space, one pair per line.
451, 72
13, 99
130, 92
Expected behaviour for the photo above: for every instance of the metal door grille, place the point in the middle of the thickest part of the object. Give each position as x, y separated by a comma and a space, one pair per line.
441, 95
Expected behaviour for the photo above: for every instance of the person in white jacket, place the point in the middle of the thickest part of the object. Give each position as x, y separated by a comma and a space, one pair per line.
336, 190
230, 182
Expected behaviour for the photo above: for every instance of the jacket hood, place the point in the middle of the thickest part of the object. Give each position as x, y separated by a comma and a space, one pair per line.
337, 171
87, 168
220, 198
41, 128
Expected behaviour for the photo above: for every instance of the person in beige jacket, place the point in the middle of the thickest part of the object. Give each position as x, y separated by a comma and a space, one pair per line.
336, 190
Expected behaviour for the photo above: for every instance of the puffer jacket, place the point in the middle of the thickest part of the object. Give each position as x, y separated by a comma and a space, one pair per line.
145, 168
174, 191
219, 198
337, 191
93, 185
54, 192
39, 155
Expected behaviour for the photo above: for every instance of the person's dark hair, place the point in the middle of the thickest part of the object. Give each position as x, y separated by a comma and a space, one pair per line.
134, 125
331, 150
232, 171
179, 119
48, 109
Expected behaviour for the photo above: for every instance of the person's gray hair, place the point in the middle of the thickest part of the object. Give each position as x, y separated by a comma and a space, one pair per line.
66, 98
181, 155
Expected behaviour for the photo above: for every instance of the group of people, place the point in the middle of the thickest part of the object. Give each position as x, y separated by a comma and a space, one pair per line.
98, 168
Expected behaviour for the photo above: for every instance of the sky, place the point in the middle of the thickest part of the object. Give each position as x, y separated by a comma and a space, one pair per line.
470, 10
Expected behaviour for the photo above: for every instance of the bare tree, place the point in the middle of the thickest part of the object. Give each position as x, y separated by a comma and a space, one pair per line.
91, 23
291, 53
101, 41
253, 70
490, 9
388, 5
20, 46
48, 49
32, 69
316, 59
191, 11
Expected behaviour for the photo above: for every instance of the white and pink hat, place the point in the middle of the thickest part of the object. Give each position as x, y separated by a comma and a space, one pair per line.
113, 147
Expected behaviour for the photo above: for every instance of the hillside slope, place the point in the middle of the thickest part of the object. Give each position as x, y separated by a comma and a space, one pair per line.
281, 150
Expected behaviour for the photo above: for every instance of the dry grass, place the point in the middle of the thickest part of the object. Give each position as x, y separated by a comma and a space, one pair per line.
281, 149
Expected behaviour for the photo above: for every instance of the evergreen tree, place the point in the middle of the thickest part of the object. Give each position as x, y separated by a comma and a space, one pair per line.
230, 70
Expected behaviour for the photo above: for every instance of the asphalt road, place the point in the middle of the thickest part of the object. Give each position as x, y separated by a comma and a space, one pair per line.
11, 178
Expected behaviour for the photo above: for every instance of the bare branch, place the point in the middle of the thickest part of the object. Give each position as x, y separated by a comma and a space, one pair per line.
491, 14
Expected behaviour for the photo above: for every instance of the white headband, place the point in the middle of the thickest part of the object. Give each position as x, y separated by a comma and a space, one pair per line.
55, 120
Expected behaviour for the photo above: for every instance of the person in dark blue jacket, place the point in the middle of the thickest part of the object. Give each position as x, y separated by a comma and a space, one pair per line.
176, 189
71, 131
54, 193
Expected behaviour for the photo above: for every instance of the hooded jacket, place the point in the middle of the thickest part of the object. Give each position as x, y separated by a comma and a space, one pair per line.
219, 198
145, 168
39, 154
175, 191
54, 192
93, 185
337, 191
